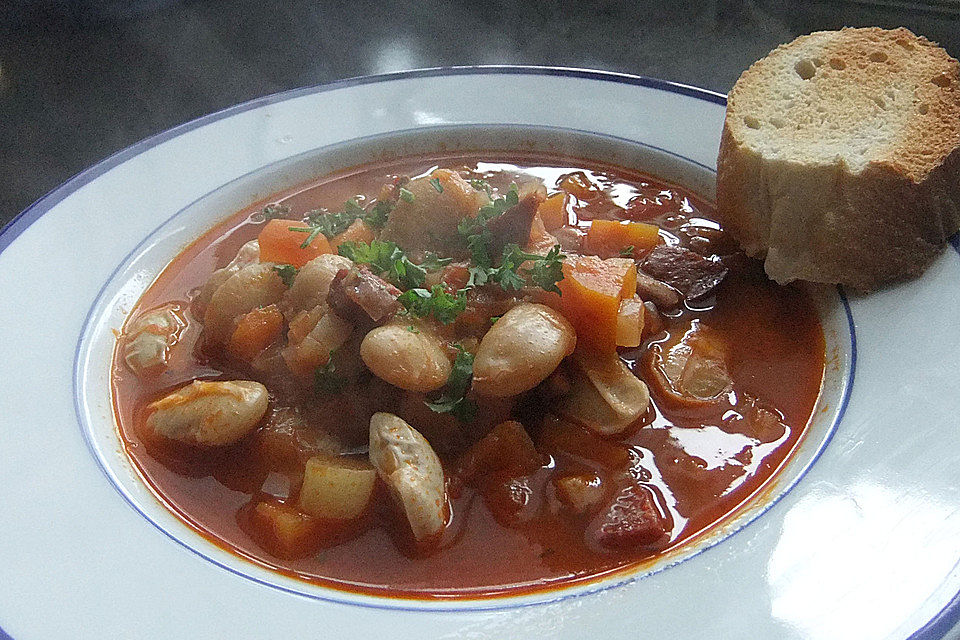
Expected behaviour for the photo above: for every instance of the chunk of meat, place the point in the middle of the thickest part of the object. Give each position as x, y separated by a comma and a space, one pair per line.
632, 520
358, 296
689, 272
427, 219
513, 225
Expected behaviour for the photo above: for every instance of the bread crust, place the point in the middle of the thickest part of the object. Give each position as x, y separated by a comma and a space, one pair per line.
829, 189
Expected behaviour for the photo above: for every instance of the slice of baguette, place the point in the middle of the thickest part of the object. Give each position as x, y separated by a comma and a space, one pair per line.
840, 157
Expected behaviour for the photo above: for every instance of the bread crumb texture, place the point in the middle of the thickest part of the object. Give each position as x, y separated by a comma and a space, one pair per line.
840, 156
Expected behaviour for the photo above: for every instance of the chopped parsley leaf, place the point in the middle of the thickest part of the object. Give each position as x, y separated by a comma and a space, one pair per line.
386, 259
406, 195
332, 223
453, 400
436, 302
327, 380
272, 211
435, 182
287, 273
627, 252
433, 262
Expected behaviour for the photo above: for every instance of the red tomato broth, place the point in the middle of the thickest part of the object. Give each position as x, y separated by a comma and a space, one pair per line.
776, 357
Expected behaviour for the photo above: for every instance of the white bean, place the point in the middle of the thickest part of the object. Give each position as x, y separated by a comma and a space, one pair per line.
248, 254
521, 350
209, 413
312, 284
148, 340
253, 286
327, 335
412, 360
411, 469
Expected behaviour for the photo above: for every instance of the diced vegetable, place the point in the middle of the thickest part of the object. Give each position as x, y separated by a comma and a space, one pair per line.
609, 238
283, 530
579, 185
255, 332
336, 488
358, 231
692, 371
540, 240
591, 293
607, 398
581, 493
630, 322
278, 243
553, 211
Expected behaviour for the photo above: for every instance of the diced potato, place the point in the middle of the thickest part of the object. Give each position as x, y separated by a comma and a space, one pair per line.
283, 530
336, 488
630, 322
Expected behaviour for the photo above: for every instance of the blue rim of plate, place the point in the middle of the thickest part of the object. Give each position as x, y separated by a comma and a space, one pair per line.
935, 628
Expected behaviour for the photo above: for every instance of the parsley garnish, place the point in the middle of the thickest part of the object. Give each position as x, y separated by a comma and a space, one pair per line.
272, 211
412, 329
453, 400
435, 182
406, 195
327, 380
627, 252
433, 262
436, 302
331, 224
387, 259
547, 271
287, 273
481, 185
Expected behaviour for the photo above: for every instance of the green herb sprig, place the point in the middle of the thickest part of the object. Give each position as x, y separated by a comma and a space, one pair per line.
453, 400
436, 302
287, 273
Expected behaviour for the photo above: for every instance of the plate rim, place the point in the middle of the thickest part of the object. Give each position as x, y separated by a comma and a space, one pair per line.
944, 620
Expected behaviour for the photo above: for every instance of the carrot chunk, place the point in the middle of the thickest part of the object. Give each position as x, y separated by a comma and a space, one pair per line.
609, 238
358, 231
279, 244
553, 211
591, 291
255, 332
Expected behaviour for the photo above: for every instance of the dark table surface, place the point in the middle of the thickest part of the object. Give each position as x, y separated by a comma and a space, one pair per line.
81, 79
